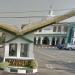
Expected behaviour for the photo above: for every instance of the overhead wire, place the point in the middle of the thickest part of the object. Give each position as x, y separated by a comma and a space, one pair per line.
23, 17
29, 11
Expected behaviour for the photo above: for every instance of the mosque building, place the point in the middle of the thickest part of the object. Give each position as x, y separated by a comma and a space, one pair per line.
52, 35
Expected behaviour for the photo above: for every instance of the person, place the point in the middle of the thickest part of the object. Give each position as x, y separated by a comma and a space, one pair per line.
12, 52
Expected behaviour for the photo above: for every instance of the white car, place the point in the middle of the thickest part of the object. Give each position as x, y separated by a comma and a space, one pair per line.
70, 46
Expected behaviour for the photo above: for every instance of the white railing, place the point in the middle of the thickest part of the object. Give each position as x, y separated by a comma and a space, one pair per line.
50, 33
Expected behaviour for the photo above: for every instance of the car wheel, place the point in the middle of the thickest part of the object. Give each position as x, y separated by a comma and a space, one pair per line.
70, 48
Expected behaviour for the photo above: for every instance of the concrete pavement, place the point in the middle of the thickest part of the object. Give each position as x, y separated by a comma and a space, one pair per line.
55, 62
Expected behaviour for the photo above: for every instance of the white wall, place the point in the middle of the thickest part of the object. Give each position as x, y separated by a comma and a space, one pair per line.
31, 54
30, 36
6, 50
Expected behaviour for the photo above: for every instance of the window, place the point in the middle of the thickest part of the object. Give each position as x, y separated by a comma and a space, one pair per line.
24, 50
13, 49
54, 29
65, 28
59, 28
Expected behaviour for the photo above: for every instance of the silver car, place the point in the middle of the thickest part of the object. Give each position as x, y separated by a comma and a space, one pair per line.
70, 46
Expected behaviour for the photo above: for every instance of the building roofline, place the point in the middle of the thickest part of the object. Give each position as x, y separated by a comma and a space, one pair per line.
38, 25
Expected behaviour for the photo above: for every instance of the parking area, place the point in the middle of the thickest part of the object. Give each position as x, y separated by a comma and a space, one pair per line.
54, 61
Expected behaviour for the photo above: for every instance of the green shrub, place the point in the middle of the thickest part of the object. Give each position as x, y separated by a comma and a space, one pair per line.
4, 64
34, 64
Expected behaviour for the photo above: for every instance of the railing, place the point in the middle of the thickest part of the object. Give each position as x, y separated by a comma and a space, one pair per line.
50, 33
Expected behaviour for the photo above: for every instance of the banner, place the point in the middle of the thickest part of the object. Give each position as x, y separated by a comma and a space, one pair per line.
19, 62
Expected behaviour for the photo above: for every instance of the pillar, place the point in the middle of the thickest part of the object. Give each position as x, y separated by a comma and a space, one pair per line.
18, 49
41, 40
62, 28
50, 41
60, 40
55, 40
36, 40
56, 28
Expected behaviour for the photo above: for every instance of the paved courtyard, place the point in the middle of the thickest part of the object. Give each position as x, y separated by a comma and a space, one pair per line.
52, 61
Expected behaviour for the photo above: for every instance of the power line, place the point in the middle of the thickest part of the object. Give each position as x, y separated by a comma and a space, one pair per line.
5, 12
23, 11
24, 17
64, 9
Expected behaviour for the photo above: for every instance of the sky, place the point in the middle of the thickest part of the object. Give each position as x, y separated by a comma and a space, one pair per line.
26, 6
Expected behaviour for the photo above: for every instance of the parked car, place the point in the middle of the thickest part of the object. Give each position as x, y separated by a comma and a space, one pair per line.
70, 46
60, 46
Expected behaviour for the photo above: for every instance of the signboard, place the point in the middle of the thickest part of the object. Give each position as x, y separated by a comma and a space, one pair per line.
18, 62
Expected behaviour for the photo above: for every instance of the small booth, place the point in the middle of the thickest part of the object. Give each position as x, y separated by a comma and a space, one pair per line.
18, 51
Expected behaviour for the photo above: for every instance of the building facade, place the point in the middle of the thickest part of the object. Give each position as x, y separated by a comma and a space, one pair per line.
52, 35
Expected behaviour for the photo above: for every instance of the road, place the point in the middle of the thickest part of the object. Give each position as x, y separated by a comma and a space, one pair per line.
52, 61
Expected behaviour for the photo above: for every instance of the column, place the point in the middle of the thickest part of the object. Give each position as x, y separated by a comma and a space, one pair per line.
30, 51
36, 40
41, 40
60, 40
18, 49
50, 41
62, 28
55, 40
6, 54
56, 28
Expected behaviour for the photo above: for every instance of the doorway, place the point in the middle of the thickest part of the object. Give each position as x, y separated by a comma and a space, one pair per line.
46, 41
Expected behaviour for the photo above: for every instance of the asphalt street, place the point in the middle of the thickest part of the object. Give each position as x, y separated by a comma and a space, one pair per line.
52, 61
